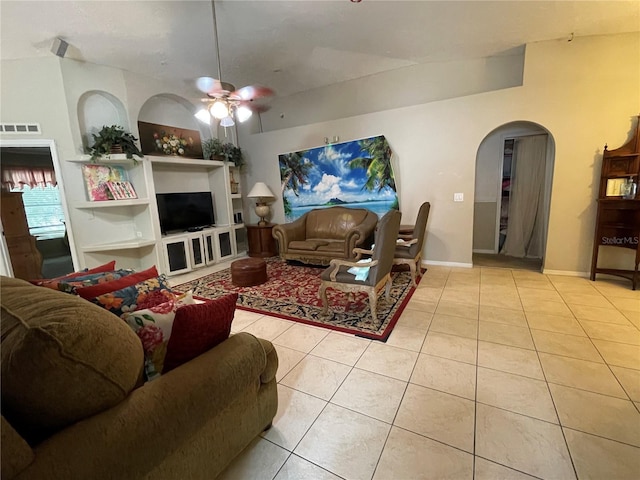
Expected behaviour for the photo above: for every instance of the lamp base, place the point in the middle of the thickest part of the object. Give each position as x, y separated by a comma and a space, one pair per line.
262, 210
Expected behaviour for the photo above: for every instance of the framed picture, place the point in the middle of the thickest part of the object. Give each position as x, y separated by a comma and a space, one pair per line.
97, 178
121, 190
171, 141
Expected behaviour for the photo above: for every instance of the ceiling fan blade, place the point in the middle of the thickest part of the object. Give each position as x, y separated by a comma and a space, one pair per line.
208, 84
252, 92
256, 107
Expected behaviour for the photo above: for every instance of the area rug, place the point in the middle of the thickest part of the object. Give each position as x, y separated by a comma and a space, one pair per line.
292, 293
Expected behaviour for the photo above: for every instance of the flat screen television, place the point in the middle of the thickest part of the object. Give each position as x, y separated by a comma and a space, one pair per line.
190, 211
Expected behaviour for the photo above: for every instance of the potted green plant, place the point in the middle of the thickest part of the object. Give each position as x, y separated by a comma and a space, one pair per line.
211, 148
112, 140
228, 152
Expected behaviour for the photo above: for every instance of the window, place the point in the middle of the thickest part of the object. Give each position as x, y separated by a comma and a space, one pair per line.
44, 211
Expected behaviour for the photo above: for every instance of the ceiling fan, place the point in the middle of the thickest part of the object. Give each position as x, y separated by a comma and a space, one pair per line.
223, 101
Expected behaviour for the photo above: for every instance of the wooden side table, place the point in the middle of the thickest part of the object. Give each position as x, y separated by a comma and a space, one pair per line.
261, 241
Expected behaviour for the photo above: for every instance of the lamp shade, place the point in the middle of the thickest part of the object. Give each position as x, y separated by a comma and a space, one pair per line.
260, 190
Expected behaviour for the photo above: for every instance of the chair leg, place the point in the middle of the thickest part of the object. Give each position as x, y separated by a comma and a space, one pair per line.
412, 268
387, 289
323, 295
372, 305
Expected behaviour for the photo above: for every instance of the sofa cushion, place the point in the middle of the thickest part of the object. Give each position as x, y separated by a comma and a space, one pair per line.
62, 358
306, 244
101, 288
333, 223
127, 299
198, 328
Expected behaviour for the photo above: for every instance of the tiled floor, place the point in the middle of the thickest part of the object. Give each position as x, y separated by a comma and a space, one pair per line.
490, 373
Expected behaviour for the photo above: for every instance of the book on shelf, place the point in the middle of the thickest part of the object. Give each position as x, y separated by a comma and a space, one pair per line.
107, 182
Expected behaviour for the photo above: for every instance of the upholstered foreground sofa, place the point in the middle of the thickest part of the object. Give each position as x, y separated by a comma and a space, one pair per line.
74, 405
323, 234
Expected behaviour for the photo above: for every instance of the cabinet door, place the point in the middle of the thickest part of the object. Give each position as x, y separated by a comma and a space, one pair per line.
176, 255
209, 248
223, 244
196, 245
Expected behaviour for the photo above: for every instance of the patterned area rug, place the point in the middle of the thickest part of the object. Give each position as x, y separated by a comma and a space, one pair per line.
292, 293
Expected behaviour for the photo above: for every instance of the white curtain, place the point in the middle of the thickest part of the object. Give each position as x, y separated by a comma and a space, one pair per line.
525, 228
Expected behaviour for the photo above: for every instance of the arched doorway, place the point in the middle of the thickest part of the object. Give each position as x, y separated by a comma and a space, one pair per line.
514, 172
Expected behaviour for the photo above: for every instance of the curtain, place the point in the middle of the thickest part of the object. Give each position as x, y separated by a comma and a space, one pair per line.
18, 177
525, 227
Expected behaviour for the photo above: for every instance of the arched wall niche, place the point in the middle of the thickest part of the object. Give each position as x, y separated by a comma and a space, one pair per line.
96, 109
173, 111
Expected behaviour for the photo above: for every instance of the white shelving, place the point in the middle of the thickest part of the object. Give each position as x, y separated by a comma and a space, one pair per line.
129, 230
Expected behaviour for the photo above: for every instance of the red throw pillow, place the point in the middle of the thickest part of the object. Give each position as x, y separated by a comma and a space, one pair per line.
94, 291
198, 328
107, 267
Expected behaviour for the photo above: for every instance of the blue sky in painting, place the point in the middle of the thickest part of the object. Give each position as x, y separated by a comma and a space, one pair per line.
331, 177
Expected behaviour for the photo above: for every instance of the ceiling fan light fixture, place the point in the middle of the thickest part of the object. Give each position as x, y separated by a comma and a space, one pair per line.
203, 115
219, 109
227, 121
243, 113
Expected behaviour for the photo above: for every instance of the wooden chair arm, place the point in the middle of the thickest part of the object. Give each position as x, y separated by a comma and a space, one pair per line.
336, 263
404, 243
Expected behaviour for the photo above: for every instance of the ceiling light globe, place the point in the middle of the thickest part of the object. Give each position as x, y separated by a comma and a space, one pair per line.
243, 113
227, 122
203, 115
219, 109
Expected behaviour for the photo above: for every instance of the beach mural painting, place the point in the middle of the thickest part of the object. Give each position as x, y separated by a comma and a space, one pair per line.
355, 174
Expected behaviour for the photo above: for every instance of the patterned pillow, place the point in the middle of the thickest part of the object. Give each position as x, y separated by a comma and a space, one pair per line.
73, 284
127, 299
107, 267
153, 327
198, 328
95, 290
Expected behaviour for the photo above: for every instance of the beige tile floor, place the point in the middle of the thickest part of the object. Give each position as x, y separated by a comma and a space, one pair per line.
490, 373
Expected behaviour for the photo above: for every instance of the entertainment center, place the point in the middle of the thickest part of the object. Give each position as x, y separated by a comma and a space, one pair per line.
172, 195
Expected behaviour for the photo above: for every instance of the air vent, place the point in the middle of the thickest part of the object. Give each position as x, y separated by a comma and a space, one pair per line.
20, 128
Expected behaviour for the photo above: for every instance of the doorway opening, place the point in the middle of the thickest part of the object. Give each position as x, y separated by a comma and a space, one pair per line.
514, 169
34, 219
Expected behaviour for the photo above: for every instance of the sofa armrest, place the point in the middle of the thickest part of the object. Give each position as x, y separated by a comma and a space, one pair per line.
289, 232
128, 440
16, 453
359, 234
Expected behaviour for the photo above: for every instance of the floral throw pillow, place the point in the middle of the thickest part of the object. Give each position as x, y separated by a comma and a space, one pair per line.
128, 298
153, 327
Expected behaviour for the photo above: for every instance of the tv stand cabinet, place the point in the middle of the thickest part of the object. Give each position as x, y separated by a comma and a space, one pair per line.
129, 230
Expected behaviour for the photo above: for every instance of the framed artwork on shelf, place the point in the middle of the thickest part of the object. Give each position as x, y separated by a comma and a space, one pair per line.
98, 177
171, 141
121, 190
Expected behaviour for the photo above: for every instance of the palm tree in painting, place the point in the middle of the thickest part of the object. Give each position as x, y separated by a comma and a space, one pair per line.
293, 171
376, 160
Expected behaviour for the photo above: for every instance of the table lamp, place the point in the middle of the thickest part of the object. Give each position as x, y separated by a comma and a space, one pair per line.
262, 192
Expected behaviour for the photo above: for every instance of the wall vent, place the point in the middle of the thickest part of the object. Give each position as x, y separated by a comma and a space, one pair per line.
20, 128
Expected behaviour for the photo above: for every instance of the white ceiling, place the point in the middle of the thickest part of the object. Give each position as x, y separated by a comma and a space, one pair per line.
293, 46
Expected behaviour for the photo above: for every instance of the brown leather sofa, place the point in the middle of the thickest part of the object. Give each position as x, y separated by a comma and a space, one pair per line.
323, 234
74, 406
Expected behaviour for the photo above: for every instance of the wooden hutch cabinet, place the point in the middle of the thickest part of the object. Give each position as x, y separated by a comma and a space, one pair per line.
26, 259
618, 219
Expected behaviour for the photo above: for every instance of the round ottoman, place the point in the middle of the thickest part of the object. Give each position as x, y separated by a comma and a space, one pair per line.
248, 272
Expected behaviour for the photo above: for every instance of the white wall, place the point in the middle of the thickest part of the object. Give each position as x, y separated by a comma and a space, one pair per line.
581, 102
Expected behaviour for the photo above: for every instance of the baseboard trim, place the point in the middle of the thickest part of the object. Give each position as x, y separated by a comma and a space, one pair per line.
492, 252
566, 273
446, 264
